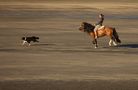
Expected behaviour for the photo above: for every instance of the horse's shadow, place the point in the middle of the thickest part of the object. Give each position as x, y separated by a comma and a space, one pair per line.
129, 45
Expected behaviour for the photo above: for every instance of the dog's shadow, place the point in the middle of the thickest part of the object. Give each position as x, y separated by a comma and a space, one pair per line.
129, 45
43, 44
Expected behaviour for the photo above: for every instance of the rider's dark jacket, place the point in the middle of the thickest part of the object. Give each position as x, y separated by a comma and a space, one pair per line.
100, 22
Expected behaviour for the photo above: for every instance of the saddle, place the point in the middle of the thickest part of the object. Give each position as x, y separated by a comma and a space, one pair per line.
102, 27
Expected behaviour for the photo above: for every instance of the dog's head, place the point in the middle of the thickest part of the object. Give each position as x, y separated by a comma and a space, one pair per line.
23, 38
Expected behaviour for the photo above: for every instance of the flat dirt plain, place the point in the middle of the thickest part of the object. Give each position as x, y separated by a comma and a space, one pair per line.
65, 58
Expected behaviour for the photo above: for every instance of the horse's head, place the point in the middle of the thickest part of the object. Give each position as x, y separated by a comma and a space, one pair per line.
86, 27
82, 27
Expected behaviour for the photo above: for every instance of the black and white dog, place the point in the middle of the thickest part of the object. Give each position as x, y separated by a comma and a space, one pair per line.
29, 39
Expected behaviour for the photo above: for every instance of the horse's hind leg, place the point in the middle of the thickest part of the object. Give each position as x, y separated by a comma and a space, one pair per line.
110, 42
114, 41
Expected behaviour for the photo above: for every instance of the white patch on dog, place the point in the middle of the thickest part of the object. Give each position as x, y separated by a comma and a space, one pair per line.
24, 42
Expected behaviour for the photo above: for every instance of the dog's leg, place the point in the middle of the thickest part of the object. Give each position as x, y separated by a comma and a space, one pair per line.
29, 44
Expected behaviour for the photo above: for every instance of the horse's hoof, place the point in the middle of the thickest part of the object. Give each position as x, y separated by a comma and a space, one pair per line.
96, 46
115, 44
93, 42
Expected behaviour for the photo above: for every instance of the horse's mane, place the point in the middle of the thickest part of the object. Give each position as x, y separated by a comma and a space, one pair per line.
88, 27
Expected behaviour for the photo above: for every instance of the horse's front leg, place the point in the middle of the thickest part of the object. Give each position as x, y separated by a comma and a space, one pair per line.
94, 39
95, 43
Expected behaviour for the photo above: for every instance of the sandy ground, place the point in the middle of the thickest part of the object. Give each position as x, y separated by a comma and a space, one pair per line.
65, 58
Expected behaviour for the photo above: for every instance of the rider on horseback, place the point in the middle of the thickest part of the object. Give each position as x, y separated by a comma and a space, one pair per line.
98, 24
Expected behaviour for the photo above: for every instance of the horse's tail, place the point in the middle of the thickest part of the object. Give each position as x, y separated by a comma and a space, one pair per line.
115, 34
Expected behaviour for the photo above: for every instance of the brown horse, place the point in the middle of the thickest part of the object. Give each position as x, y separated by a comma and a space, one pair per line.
105, 31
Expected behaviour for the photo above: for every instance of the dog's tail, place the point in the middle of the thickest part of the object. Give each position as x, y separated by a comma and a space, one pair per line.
35, 39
